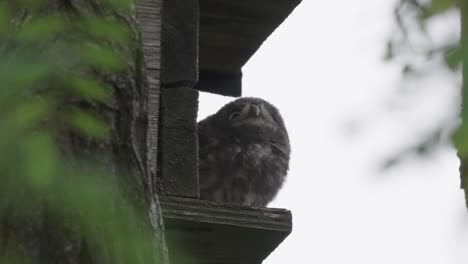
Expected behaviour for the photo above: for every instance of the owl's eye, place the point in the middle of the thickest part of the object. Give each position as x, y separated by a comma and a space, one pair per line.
234, 115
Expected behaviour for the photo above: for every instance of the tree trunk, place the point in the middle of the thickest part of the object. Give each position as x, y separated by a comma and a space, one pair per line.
103, 208
464, 114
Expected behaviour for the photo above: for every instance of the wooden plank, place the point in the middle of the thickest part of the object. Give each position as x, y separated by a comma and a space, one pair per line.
230, 33
179, 142
180, 43
179, 73
149, 19
228, 84
205, 232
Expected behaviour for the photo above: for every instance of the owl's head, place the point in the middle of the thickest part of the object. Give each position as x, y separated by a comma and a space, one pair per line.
251, 117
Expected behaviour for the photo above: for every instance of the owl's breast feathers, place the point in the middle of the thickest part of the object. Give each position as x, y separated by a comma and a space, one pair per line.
248, 173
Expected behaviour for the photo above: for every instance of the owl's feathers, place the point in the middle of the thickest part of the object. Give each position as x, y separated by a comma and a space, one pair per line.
244, 153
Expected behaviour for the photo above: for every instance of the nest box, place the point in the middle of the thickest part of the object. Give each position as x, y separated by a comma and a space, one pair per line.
191, 46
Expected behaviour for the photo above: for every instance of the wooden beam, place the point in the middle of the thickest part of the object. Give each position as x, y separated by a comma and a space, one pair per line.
179, 142
228, 84
149, 19
208, 232
178, 154
180, 43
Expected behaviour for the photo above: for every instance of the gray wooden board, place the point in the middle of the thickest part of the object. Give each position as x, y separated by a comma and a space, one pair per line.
179, 142
203, 232
229, 84
179, 42
148, 13
149, 21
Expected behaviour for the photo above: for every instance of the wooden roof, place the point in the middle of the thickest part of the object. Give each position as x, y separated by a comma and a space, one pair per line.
230, 32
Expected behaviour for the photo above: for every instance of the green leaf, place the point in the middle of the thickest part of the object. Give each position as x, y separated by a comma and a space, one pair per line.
30, 74
5, 16
460, 140
18, 74
437, 7
41, 160
124, 5
453, 57
31, 4
89, 88
108, 29
100, 57
30, 113
41, 28
88, 124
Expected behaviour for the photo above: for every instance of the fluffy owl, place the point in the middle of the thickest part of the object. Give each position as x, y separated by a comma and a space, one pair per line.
244, 153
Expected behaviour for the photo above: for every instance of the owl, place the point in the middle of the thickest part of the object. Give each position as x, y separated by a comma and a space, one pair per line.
243, 153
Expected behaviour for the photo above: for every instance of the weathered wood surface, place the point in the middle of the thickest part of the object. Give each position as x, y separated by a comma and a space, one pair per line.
178, 153
149, 21
179, 43
230, 33
149, 17
229, 84
211, 233
179, 142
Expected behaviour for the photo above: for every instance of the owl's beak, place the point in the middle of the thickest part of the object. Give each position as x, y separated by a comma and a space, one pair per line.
255, 110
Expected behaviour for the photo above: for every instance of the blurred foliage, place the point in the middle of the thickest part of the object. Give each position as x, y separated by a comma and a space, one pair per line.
418, 49
46, 59
413, 18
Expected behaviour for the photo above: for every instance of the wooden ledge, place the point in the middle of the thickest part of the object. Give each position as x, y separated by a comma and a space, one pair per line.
205, 232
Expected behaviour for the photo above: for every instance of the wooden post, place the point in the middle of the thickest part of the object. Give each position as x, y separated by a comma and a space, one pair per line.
150, 24
179, 74
149, 17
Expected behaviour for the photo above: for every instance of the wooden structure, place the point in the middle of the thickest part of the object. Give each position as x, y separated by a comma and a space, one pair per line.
191, 46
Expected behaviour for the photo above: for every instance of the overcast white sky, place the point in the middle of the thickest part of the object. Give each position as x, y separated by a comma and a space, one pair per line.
323, 69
